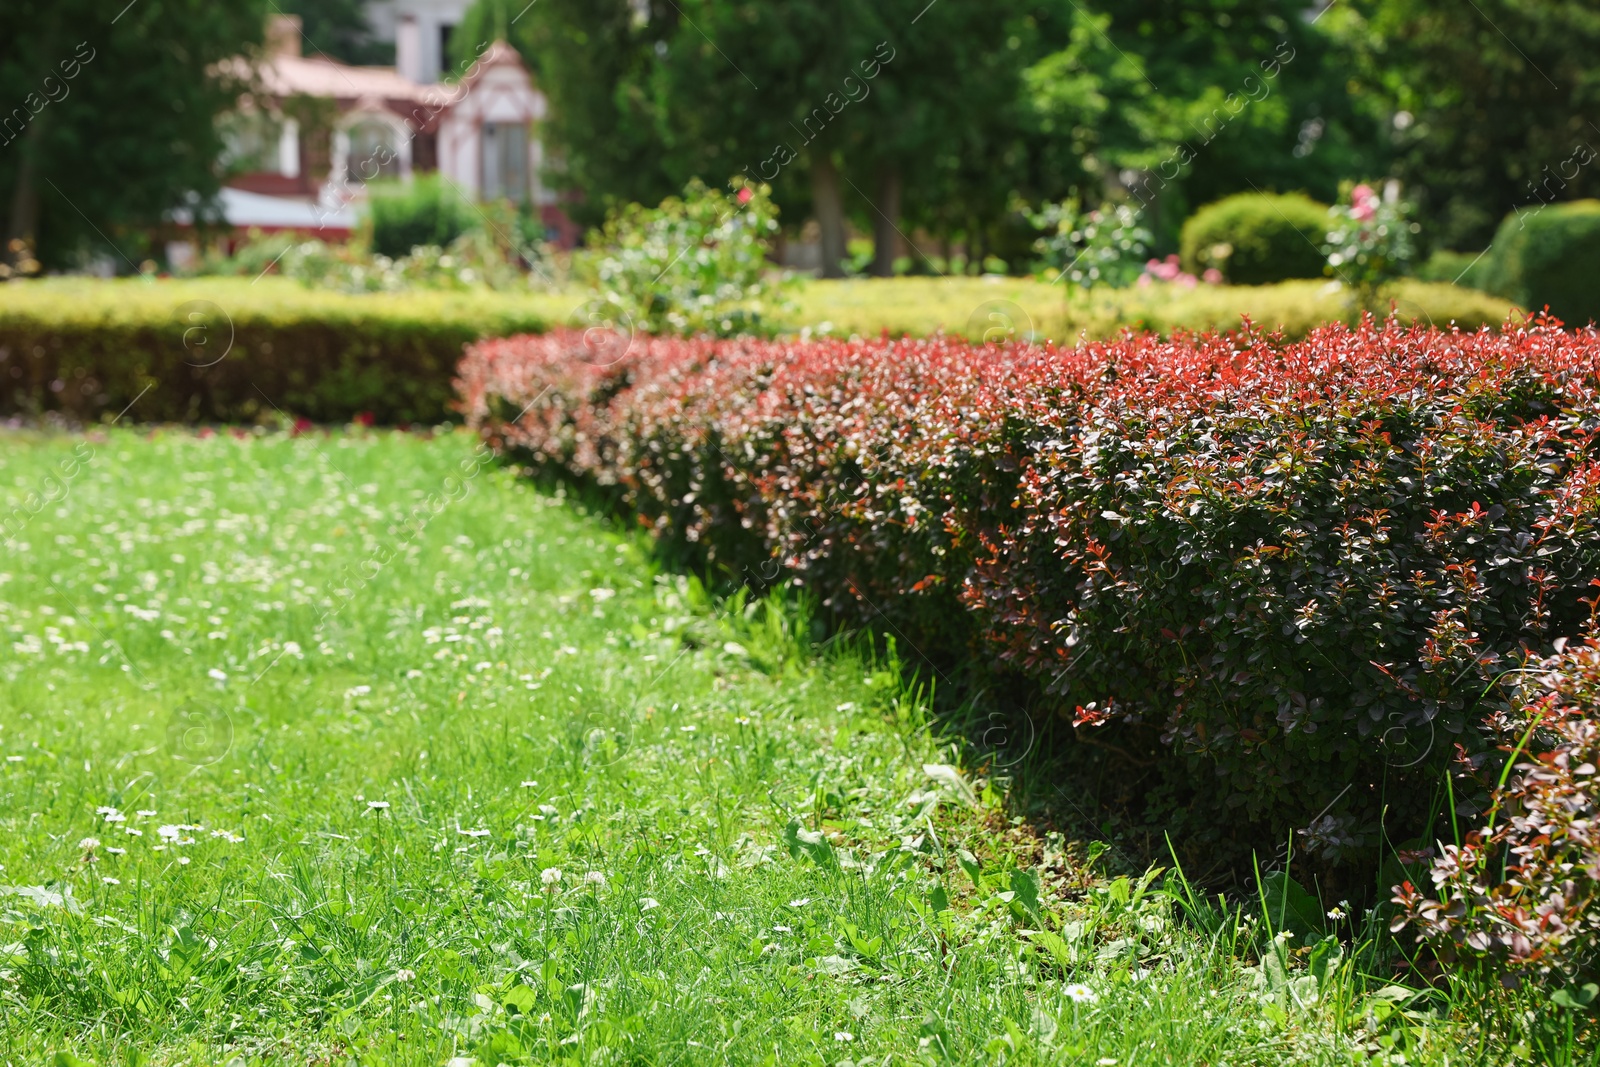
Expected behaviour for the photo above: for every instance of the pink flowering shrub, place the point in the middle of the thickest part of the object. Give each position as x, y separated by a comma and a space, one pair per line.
1369, 241
1169, 270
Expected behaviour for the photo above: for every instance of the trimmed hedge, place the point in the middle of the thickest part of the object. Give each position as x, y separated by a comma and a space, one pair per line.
1257, 238
228, 351
1290, 575
1549, 256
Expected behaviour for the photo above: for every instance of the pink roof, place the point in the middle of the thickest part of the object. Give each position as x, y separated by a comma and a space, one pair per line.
285, 75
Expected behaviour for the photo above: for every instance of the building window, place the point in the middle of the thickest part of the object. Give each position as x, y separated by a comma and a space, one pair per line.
505, 161
445, 32
373, 153
250, 143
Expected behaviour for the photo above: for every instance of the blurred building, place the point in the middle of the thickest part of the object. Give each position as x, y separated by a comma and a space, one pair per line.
422, 52
303, 149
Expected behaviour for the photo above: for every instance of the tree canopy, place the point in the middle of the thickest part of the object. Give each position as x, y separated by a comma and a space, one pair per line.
112, 115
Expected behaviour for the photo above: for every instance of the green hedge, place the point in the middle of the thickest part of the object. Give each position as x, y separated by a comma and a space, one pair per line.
227, 350
1549, 255
1257, 238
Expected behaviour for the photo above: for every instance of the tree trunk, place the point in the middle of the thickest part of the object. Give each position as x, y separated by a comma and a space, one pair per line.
886, 222
23, 225
827, 203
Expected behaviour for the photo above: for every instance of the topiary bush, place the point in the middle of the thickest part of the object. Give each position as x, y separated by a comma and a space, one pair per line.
1291, 576
1257, 238
1550, 255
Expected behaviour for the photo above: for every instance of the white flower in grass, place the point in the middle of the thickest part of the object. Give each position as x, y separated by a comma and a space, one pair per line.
145, 814
131, 832
405, 974
111, 881
594, 878
377, 805
111, 814
183, 861
550, 875
117, 851
89, 844
472, 833
843, 1035
529, 784
799, 902
169, 832
1081, 994
648, 903
221, 676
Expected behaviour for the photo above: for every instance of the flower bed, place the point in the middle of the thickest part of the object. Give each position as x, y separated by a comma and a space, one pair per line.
1293, 574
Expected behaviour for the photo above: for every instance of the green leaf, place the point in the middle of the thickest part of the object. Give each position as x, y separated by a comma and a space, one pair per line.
810, 842
1053, 944
969, 863
1290, 907
1574, 997
519, 999
1025, 884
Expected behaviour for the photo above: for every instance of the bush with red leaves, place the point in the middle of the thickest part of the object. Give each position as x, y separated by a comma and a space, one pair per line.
1300, 569
1520, 893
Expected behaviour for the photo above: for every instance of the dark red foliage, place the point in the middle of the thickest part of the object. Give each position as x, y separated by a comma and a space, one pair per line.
1521, 892
1304, 567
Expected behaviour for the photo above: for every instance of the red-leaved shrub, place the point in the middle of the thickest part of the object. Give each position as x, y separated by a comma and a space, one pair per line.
1520, 892
1301, 568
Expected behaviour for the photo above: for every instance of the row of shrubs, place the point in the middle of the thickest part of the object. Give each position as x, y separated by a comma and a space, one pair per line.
1294, 576
225, 351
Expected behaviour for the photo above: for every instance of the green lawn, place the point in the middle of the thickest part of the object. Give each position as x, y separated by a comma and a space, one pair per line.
347, 749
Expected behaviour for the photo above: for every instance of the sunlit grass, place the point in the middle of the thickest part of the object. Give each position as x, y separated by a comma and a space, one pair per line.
349, 748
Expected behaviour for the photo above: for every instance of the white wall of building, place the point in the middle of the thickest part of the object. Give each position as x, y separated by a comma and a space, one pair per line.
501, 94
431, 16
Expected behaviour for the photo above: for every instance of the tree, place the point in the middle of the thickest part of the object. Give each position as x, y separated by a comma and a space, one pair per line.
899, 114
781, 93
1229, 96
114, 120
340, 29
1493, 106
